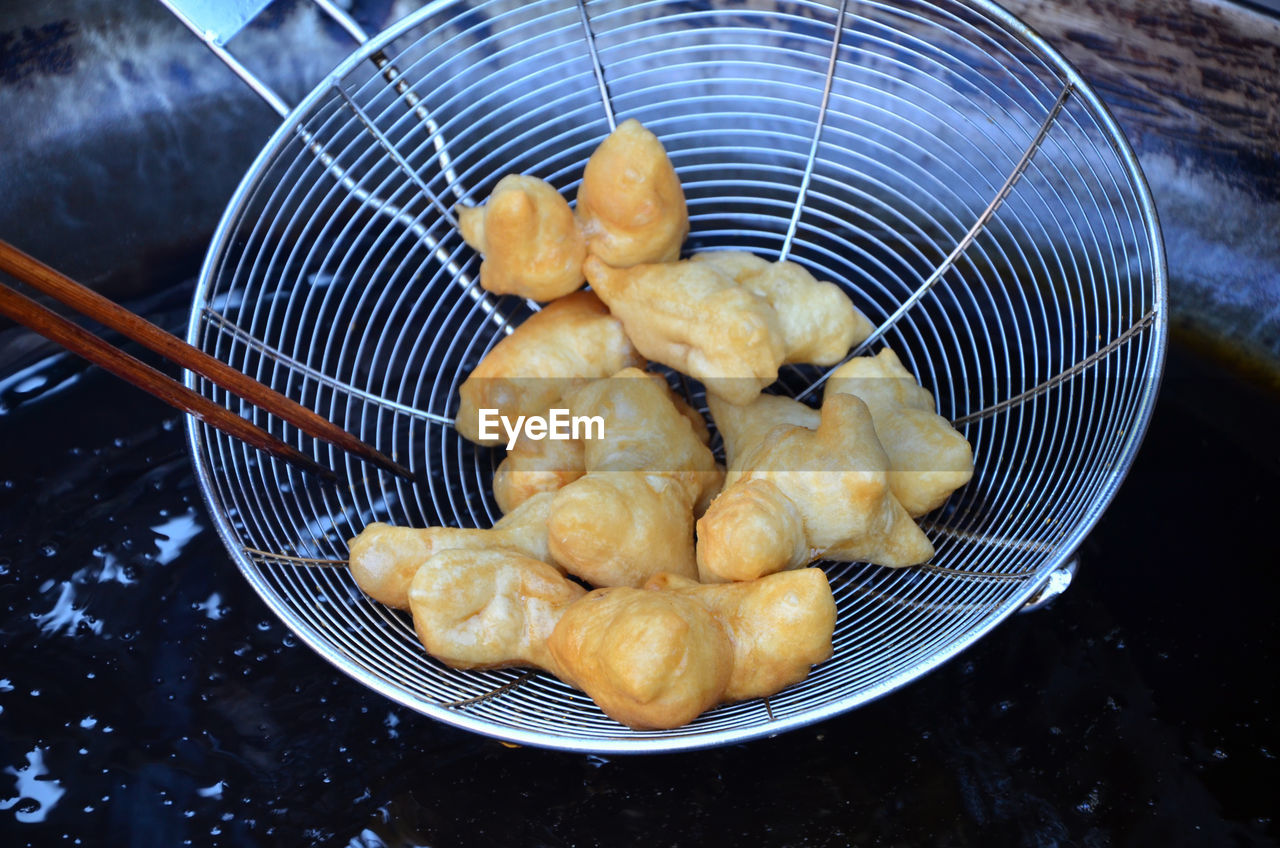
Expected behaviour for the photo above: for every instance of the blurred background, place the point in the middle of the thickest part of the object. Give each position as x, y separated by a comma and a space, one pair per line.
148, 698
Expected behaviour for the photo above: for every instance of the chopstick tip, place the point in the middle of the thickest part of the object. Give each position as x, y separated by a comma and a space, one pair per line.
395, 468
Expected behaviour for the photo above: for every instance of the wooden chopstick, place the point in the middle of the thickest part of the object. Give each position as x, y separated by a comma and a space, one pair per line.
88, 302
80, 341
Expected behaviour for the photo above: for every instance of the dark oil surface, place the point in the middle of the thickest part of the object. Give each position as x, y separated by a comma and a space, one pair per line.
147, 697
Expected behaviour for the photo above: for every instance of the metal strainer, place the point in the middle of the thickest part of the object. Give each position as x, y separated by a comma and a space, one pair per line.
936, 159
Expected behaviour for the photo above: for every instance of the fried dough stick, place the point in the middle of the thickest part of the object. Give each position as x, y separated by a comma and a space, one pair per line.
548, 465
697, 320
632, 514
631, 207
928, 458
529, 239
384, 558
801, 495
780, 626
819, 323
742, 428
650, 660
569, 343
488, 609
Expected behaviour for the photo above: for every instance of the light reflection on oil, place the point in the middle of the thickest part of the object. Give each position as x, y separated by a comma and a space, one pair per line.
173, 535
37, 793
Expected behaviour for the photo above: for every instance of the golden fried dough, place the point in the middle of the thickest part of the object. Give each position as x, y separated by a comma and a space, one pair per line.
751, 529
535, 466
738, 265
488, 609
882, 382
827, 489
619, 528
692, 317
699, 423
384, 558
529, 239
644, 430
744, 427
651, 660
928, 458
630, 205
570, 342
780, 626
819, 323
548, 465
632, 515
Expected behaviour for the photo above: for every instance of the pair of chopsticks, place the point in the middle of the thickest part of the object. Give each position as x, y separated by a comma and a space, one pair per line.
110, 314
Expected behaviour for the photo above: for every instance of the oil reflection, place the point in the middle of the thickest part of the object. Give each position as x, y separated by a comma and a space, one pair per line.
173, 535
37, 793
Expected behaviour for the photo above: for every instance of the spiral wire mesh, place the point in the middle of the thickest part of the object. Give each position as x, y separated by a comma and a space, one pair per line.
937, 160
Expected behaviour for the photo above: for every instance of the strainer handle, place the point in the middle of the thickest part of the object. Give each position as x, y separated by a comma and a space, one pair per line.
215, 22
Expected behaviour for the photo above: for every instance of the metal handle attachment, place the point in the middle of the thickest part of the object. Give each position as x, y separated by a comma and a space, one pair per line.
215, 22
1058, 581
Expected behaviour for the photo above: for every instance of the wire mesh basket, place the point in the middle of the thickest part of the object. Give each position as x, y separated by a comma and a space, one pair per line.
938, 160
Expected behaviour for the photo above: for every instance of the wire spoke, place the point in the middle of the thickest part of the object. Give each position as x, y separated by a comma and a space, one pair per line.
385, 207
991, 541
894, 600
596, 67
524, 677
367, 199
1015, 577
803, 193
1092, 359
431, 196
394, 78
960, 247
229, 327
268, 556
396, 156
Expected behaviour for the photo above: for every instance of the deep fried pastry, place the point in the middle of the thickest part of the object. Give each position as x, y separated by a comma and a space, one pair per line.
692, 317
529, 239
928, 458
738, 265
630, 205
819, 323
751, 529
619, 528
882, 382
825, 489
488, 609
536, 466
644, 430
779, 625
548, 465
571, 342
650, 660
384, 558
644, 480
699, 424
744, 427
